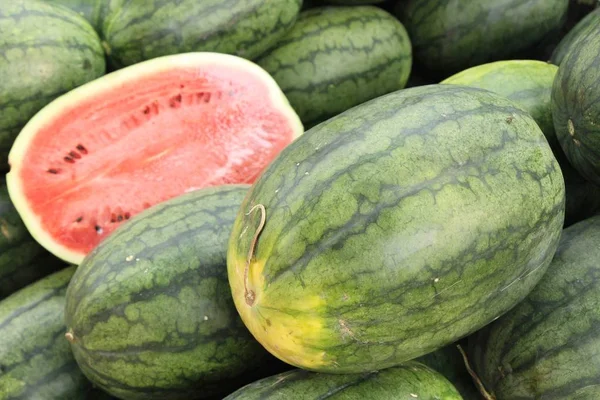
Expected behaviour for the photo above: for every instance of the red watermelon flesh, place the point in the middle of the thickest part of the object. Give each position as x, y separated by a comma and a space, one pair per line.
109, 149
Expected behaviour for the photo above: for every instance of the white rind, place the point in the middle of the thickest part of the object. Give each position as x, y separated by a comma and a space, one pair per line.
109, 83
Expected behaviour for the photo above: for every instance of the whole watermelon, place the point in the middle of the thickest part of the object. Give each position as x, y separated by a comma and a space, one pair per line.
529, 84
149, 311
396, 228
47, 50
337, 57
589, 23
411, 380
575, 107
136, 31
23, 260
451, 35
547, 346
35, 359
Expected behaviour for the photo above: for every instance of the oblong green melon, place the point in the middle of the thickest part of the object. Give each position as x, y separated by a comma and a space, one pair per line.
137, 31
589, 23
396, 228
149, 311
575, 107
88, 9
448, 361
547, 346
22, 259
46, 51
337, 57
35, 359
412, 380
529, 84
451, 35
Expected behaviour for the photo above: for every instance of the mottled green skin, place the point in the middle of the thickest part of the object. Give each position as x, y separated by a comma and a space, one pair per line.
416, 218
451, 35
589, 23
150, 307
547, 346
22, 259
576, 107
529, 84
138, 31
36, 362
351, 2
526, 82
412, 380
46, 51
335, 58
449, 362
88, 9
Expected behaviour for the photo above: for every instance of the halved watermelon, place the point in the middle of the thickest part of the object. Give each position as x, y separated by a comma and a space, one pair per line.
113, 147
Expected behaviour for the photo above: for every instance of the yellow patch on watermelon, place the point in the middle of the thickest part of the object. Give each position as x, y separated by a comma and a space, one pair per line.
293, 334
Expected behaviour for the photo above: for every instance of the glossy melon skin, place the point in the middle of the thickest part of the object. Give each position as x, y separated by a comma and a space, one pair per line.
47, 50
335, 58
575, 107
35, 359
149, 314
410, 380
547, 346
136, 31
529, 84
451, 35
396, 228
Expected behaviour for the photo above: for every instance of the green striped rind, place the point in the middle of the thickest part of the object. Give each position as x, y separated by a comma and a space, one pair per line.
88, 9
150, 308
22, 259
572, 39
547, 346
526, 82
45, 52
529, 84
451, 35
337, 57
351, 2
449, 362
412, 380
576, 107
138, 31
398, 227
35, 359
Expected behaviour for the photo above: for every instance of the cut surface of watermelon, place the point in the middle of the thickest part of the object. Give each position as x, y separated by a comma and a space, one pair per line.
111, 148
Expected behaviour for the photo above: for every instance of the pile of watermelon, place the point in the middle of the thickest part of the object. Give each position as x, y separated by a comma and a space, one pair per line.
288, 199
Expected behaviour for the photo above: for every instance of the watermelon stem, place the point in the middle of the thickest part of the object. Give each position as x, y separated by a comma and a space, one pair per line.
69, 336
476, 379
249, 294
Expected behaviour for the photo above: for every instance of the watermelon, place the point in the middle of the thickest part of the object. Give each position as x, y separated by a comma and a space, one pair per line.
547, 346
35, 359
529, 83
575, 108
111, 148
149, 311
88, 9
450, 36
46, 51
448, 361
396, 228
136, 31
412, 380
337, 57
588, 24
22, 259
